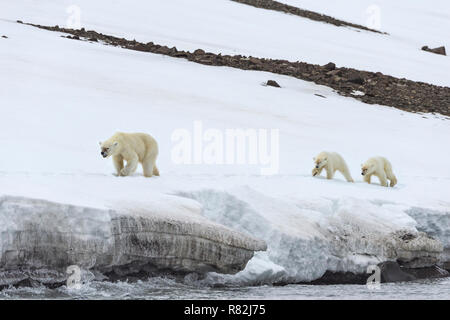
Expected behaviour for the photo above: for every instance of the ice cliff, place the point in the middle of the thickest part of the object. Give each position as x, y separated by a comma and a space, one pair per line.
40, 239
216, 233
308, 237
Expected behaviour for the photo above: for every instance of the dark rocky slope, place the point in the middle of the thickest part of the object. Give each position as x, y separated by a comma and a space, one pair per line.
282, 7
372, 87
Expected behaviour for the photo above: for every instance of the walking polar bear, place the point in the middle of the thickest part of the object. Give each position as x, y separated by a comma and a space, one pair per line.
331, 162
380, 167
133, 148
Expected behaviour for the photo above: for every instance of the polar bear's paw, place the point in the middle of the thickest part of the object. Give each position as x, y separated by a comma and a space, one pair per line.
124, 172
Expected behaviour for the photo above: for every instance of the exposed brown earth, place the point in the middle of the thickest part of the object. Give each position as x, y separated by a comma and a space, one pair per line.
373, 87
278, 6
439, 50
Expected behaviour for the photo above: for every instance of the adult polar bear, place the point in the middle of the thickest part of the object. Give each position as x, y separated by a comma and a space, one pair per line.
331, 162
380, 167
133, 148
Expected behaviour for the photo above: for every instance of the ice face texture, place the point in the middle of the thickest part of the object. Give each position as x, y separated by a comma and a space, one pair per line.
307, 237
39, 234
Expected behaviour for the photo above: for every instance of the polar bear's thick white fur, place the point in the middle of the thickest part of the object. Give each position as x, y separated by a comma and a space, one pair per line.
132, 148
380, 167
331, 162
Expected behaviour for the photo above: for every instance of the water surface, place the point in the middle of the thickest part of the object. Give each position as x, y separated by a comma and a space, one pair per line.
166, 288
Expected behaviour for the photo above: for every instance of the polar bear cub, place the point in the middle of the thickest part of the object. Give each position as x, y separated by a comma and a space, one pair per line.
331, 162
133, 148
380, 167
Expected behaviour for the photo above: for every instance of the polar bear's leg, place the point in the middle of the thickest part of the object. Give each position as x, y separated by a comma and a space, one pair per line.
330, 172
149, 166
346, 173
390, 175
367, 178
118, 163
383, 179
347, 176
393, 180
155, 170
131, 166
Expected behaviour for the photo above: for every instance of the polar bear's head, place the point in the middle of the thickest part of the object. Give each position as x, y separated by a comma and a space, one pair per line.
108, 148
367, 168
315, 172
319, 162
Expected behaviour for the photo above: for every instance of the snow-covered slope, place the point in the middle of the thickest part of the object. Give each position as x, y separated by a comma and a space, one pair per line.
233, 28
59, 97
413, 22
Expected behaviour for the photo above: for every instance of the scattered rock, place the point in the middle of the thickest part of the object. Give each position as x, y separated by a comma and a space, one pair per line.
4, 37
199, 52
93, 39
319, 95
446, 265
336, 72
439, 50
255, 60
355, 78
335, 278
273, 83
329, 66
378, 88
180, 54
391, 272
428, 273
407, 236
19, 21
26, 283
163, 50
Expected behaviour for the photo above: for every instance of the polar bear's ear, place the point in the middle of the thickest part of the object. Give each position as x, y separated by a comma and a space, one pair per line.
115, 143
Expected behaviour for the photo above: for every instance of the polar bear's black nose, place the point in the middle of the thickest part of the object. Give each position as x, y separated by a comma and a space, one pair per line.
362, 173
103, 154
317, 167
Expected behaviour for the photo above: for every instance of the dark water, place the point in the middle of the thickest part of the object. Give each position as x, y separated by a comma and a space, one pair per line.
164, 288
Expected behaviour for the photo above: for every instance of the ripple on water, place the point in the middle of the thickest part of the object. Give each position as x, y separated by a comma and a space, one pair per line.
166, 288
